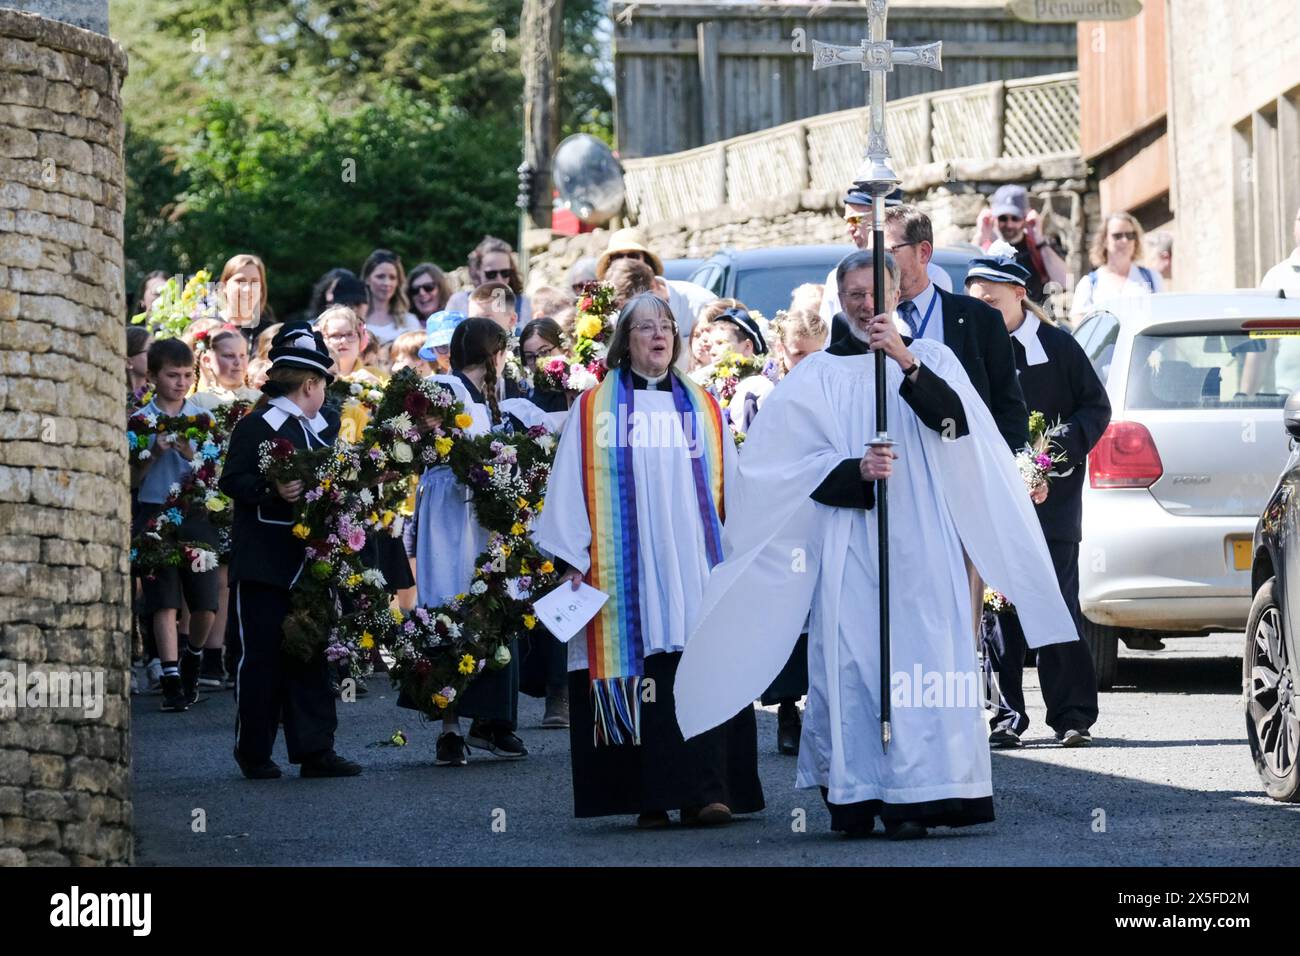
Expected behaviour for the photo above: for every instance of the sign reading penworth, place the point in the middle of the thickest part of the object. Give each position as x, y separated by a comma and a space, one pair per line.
1072, 11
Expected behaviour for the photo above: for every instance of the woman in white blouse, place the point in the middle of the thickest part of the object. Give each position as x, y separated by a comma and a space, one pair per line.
1115, 252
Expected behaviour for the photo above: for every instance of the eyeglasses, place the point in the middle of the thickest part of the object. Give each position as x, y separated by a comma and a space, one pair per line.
1130, 236
856, 297
626, 255
893, 250
491, 274
855, 219
1011, 218
423, 289
650, 328
544, 352
341, 337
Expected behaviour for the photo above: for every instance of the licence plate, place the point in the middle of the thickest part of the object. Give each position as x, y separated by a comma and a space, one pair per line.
1241, 554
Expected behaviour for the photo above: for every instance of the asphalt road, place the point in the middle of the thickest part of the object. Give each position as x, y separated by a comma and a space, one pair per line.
1168, 782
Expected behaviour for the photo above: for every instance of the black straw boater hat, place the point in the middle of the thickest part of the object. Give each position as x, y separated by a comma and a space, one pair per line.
298, 345
998, 264
747, 324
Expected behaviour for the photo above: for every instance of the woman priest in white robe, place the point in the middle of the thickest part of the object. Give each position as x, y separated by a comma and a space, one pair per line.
954, 484
634, 507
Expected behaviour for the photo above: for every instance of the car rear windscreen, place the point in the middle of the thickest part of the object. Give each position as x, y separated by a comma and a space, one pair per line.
1229, 369
768, 289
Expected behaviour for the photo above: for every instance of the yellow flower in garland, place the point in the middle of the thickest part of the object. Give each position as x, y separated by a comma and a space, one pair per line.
396, 612
353, 580
522, 502
388, 518
523, 567
490, 469
516, 529
443, 445
530, 622
301, 531
589, 327
440, 702
466, 665
546, 567
463, 421
367, 640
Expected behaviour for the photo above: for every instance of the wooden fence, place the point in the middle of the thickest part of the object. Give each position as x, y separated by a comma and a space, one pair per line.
690, 74
1007, 118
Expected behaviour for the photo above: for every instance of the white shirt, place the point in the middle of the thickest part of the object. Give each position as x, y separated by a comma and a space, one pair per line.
383, 334
1035, 354
927, 302
282, 409
1106, 287
1285, 276
831, 296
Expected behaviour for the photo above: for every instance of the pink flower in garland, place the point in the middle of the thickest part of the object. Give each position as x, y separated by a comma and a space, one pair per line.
357, 539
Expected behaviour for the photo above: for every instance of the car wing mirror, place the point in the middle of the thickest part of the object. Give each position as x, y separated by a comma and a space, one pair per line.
1291, 415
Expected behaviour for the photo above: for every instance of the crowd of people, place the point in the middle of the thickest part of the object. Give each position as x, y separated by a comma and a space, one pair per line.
763, 425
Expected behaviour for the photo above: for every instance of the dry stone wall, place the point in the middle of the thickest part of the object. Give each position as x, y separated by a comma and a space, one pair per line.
64, 501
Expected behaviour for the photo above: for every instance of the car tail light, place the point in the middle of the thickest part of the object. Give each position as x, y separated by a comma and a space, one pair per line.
1125, 457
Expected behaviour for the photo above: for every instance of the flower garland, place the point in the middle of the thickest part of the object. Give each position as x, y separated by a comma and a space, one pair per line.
506, 476
592, 330
722, 377
175, 308
340, 607
141, 428
159, 545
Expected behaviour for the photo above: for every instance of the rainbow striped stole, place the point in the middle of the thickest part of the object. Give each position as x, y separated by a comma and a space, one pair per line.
615, 645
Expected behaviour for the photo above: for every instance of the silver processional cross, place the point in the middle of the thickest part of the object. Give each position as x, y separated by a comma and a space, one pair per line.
877, 56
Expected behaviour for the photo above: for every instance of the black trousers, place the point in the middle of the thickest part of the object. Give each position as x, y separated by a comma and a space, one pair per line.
1065, 671
271, 687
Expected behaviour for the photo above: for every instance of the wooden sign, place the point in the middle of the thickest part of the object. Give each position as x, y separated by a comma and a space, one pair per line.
1072, 11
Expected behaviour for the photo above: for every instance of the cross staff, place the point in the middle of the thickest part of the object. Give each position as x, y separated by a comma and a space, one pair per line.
877, 57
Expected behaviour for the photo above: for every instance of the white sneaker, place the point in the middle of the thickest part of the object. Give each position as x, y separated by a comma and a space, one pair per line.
153, 677
1074, 738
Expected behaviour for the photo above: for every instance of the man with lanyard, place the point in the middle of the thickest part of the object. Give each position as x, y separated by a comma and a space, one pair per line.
857, 216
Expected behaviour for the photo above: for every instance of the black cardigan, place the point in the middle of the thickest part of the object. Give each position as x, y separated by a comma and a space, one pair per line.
1065, 388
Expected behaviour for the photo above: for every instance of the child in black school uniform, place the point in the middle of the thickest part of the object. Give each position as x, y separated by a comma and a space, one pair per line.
171, 370
265, 562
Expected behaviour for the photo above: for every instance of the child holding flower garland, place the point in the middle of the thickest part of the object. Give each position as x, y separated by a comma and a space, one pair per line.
267, 559
449, 539
161, 465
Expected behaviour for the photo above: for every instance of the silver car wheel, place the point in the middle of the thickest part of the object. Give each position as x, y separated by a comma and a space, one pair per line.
1271, 703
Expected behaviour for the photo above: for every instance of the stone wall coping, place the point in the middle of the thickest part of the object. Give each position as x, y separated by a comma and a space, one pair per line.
63, 36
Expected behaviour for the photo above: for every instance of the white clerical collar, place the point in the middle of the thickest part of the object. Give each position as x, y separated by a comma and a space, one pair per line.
1035, 354
284, 408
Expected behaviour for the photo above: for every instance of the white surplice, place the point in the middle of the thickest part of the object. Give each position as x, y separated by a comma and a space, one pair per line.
785, 553
673, 564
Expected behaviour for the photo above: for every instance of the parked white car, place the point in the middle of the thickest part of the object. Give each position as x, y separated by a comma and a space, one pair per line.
1196, 384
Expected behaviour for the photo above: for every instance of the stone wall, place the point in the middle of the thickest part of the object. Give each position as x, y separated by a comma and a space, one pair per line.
952, 193
64, 502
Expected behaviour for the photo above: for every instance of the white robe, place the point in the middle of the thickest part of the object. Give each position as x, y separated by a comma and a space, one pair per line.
785, 552
673, 564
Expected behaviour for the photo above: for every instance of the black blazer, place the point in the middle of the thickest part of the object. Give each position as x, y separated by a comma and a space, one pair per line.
978, 337
262, 545
930, 397
1065, 388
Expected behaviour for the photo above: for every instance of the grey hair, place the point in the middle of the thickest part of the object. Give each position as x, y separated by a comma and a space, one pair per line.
864, 259
645, 303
